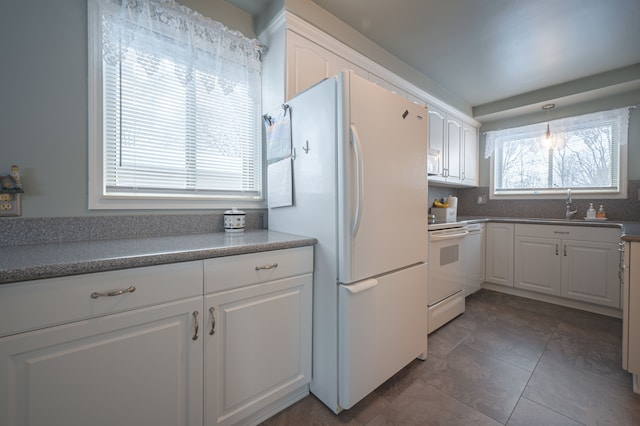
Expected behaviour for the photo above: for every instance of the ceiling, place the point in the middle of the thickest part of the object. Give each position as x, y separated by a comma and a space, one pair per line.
486, 51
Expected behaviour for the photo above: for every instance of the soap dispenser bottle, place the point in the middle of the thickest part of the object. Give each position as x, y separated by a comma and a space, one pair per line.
591, 212
600, 214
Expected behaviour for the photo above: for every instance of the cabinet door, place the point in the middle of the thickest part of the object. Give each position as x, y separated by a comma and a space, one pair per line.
537, 264
139, 367
631, 332
309, 63
499, 268
590, 272
258, 347
470, 160
437, 133
453, 149
474, 246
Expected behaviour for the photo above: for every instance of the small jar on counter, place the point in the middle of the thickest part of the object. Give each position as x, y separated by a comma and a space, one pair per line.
234, 220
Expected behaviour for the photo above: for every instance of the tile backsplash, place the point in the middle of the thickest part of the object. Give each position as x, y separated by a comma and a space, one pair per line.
616, 209
15, 231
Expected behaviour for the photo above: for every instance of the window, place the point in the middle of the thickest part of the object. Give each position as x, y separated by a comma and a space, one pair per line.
175, 109
586, 153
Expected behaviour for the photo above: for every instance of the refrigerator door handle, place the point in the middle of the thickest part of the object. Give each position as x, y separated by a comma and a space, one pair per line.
355, 141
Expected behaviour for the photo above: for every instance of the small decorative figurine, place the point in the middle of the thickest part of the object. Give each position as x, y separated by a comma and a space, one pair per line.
15, 174
11, 182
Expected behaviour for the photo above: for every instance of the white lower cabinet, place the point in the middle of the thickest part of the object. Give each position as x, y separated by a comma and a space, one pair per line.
499, 253
258, 334
631, 309
474, 253
575, 262
143, 346
537, 264
590, 272
142, 366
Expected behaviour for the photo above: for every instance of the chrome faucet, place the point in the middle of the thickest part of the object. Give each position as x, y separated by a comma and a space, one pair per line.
568, 213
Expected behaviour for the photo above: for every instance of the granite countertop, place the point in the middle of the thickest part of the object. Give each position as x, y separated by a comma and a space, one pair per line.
36, 261
630, 230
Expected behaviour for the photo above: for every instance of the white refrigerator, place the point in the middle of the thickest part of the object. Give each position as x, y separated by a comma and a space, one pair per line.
360, 188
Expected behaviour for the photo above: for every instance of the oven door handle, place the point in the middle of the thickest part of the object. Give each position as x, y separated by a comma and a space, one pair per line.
448, 236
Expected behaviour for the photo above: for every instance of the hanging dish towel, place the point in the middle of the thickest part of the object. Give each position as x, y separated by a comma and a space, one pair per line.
279, 161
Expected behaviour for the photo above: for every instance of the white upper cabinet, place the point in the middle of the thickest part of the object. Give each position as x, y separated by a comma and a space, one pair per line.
306, 55
470, 151
455, 146
454, 155
437, 133
308, 63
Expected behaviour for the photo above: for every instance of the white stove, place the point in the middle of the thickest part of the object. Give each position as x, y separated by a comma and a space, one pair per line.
447, 273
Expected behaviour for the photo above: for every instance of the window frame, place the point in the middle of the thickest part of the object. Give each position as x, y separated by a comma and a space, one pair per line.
560, 193
98, 199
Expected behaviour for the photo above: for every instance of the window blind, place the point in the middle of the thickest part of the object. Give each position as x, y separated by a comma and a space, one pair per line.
181, 104
584, 153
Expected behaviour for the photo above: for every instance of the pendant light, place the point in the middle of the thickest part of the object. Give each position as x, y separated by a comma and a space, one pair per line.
548, 141
548, 107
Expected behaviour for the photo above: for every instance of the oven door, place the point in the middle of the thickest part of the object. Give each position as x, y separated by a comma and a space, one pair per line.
446, 263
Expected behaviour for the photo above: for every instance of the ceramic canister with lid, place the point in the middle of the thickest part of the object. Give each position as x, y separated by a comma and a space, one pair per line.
234, 220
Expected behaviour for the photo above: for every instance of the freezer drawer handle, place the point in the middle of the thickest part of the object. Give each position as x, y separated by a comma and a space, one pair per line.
272, 266
95, 294
361, 286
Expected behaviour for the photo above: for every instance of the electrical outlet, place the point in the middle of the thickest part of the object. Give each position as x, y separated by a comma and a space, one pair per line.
10, 205
482, 199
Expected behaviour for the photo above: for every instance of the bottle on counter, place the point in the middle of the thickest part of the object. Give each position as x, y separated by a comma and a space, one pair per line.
600, 214
591, 212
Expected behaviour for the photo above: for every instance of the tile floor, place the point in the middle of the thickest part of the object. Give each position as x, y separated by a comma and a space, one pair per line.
506, 361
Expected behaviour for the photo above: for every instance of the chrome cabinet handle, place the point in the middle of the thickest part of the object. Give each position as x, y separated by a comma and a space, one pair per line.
557, 249
565, 250
96, 294
274, 265
213, 320
195, 320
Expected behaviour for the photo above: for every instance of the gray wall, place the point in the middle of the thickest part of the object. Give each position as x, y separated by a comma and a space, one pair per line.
44, 99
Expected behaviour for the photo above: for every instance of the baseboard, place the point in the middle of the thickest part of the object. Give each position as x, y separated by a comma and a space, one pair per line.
602, 310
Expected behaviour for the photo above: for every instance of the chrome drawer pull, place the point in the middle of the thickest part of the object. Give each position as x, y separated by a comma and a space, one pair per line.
275, 265
213, 320
195, 320
95, 294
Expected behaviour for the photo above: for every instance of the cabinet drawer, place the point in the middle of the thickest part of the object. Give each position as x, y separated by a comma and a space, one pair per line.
580, 233
41, 303
223, 273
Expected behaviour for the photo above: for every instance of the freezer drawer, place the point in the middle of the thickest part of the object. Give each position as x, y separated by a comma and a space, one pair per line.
382, 328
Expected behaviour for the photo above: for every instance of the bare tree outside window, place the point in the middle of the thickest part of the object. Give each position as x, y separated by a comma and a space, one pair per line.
583, 154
